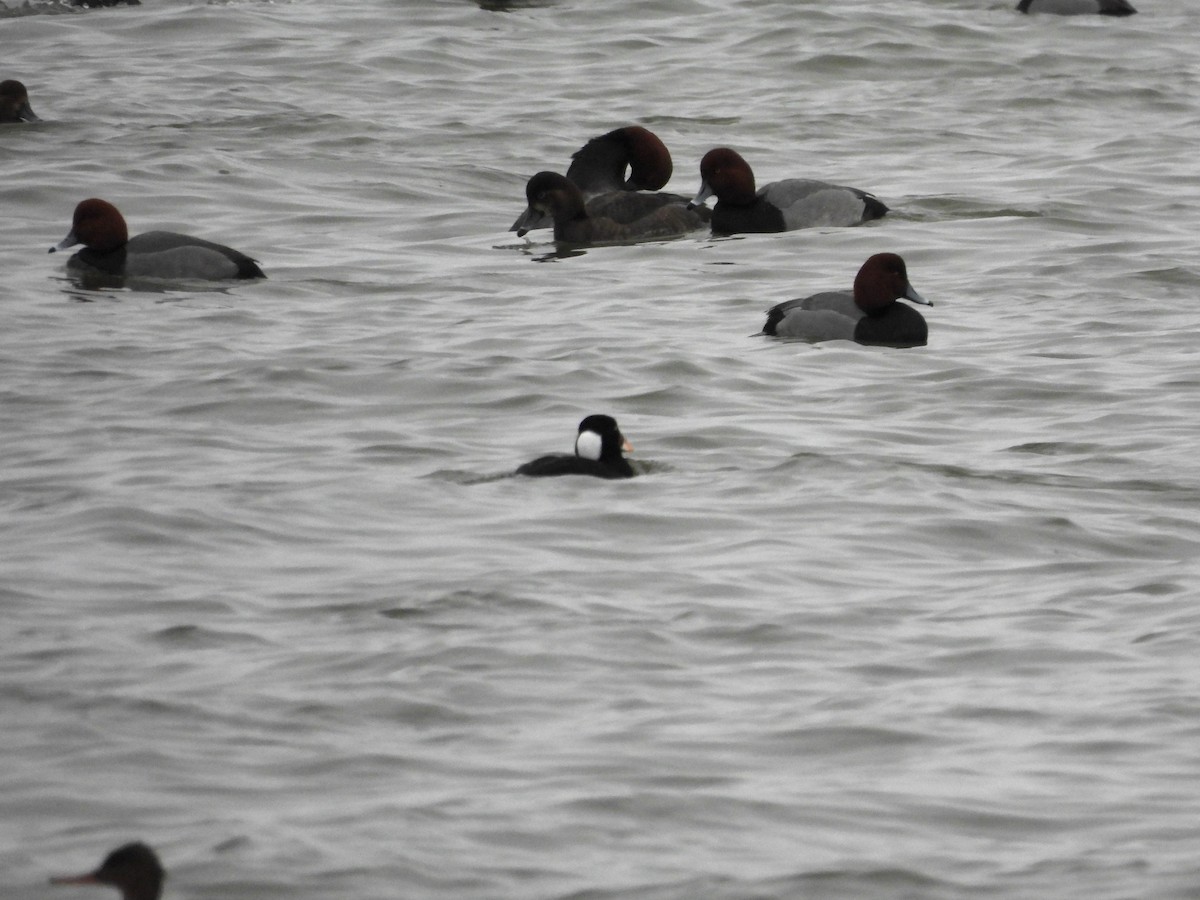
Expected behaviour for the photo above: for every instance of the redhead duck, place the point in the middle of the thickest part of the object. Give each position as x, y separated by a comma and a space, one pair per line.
132, 869
552, 194
14, 103
869, 315
1077, 7
599, 165
108, 250
598, 448
598, 168
779, 206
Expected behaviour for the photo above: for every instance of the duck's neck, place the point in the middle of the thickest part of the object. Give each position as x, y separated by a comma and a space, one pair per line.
150, 889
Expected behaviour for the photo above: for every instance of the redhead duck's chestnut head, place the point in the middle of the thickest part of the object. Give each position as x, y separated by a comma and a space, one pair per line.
96, 224
725, 174
600, 164
650, 163
882, 280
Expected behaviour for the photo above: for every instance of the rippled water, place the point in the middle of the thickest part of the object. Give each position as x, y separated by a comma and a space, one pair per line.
872, 623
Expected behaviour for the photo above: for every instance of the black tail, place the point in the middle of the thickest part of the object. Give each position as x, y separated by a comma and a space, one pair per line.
248, 268
873, 208
774, 317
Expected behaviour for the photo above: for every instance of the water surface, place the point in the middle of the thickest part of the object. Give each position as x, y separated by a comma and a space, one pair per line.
872, 623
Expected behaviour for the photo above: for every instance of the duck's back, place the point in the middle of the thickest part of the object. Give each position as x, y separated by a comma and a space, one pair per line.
841, 302
828, 316
1077, 7
797, 203
664, 222
833, 304
626, 207
833, 316
167, 254
560, 464
806, 203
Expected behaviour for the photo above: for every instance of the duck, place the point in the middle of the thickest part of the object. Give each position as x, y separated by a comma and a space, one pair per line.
557, 196
1077, 7
14, 103
108, 250
133, 869
867, 315
779, 206
599, 446
599, 168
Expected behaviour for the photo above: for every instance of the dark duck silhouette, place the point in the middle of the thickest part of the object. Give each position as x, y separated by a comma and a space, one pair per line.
554, 195
599, 170
133, 869
599, 446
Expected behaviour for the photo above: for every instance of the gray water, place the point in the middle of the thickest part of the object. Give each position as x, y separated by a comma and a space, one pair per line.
872, 623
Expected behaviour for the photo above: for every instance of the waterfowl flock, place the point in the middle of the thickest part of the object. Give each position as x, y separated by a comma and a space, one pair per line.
611, 193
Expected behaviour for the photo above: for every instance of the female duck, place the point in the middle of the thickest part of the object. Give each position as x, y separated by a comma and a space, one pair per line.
551, 194
598, 452
108, 250
869, 315
14, 103
133, 869
779, 206
1077, 7
599, 169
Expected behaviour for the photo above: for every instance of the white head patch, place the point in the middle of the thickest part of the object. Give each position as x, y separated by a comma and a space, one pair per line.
588, 445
